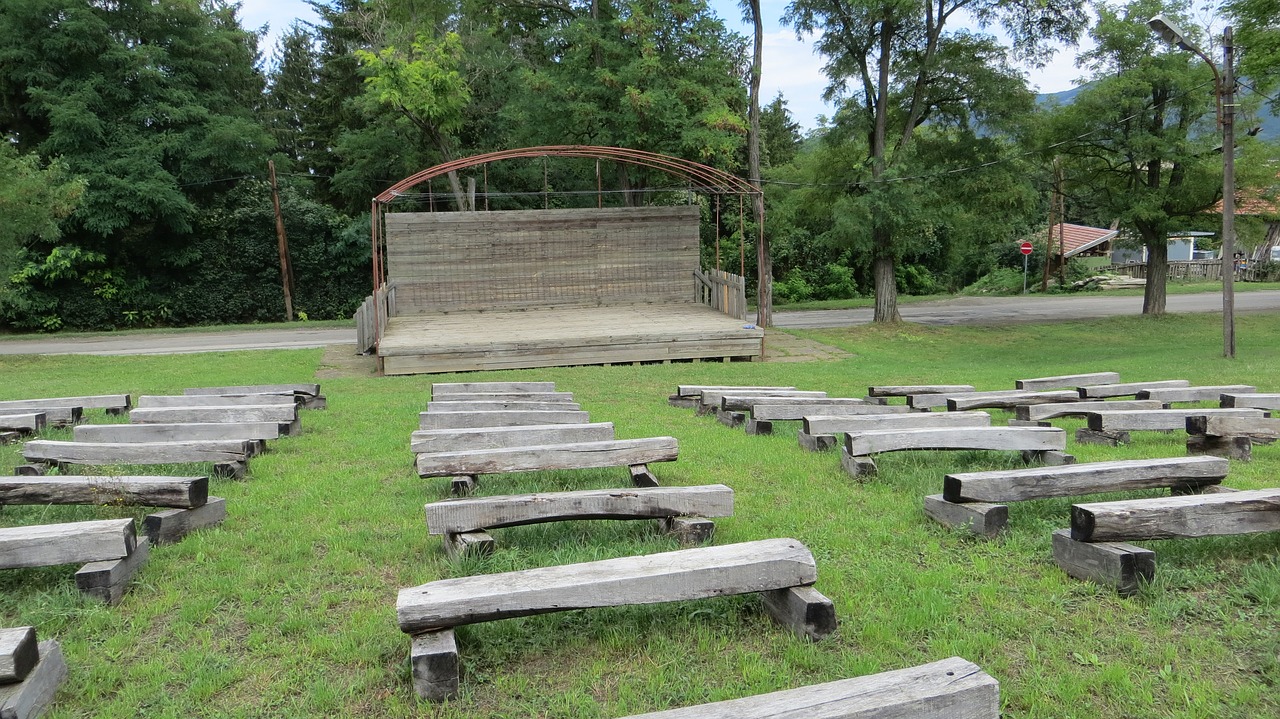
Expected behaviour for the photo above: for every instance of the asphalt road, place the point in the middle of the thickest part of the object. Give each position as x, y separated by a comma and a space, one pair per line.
958, 311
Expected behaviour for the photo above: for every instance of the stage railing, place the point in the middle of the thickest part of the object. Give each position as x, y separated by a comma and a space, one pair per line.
723, 291
371, 317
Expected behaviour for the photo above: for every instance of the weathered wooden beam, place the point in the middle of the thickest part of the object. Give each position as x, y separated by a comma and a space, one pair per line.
303, 388
688, 531
1068, 381
1084, 435
803, 610
442, 388
1123, 567
29, 698
181, 432
464, 515
1017, 485
466, 420
821, 423
1260, 430
476, 544
1158, 419
904, 390
949, 689
1042, 412
54, 416
214, 400
576, 455
102, 401
1239, 448
796, 412
280, 414
7, 437
504, 406
1256, 400
710, 401
26, 422
182, 492
508, 397
1195, 394
981, 518
18, 654
747, 403
433, 661
71, 543
955, 404
1193, 515
172, 525
1128, 389
108, 580
1035, 439
696, 573
696, 390
220, 451
457, 440
933, 400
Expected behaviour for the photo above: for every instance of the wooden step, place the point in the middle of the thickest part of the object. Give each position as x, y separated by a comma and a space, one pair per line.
515, 418
1194, 515
1158, 419
180, 432
1067, 381
577, 455
181, 492
1128, 389
457, 440
70, 543
1042, 412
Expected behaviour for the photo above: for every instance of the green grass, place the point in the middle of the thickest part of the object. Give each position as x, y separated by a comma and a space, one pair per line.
287, 609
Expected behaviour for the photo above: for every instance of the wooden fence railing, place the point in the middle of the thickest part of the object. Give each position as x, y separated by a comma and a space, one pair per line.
721, 290
371, 317
1192, 270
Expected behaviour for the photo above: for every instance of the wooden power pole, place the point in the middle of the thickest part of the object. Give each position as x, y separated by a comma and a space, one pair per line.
286, 267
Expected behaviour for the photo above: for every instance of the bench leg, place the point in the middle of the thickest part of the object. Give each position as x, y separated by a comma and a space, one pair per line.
433, 656
876, 400
171, 525
677, 401
9, 438
108, 581
731, 419
1121, 566
759, 426
31, 470
1049, 457
689, 531
30, 697
463, 485
1084, 435
317, 402
981, 518
231, 470
816, 442
291, 429
857, 467
641, 476
1236, 447
803, 610
479, 544
1028, 423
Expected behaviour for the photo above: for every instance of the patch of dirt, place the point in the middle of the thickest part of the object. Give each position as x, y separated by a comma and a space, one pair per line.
784, 347
342, 361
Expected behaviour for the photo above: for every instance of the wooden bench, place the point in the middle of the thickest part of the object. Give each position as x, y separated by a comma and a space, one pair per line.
1195, 394
764, 415
216, 400
307, 394
511, 418
286, 416
736, 409
948, 689
1256, 400
502, 406
636, 454
1113, 427
1128, 389
43, 671
23, 423
457, 440
1095, 548
110, 547
260, 432
906, 390
112, 403
688, 395
978, 500
1055, 410
229, 457
443, 388
1044, 443
1008, 401
54, 416
1230, 437
711, 400
186, 500
783, 570
819, 430
926, 401
464, 522
566, 397
1067, 381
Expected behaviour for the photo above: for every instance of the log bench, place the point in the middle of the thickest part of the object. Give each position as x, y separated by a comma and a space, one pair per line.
23, 423
1008, 401
978, 500
506, 397
443, 388
782, 569
819, 430
885, 391
1230, 437
229, 457
511, 418
636, 454
259, 432
688, 395
681, 511
736, 409
926, 401
501, 406
186, 501
710, 401
1096, 547
28, 696
764, 415
112, 403
1195, 394
54, 416
109, 548
284, 415
216, 400
1127, 389
1067, 381
1256, 400
307, 395
1113, 427
1044, 443
457, 440
948, 689
1055, 410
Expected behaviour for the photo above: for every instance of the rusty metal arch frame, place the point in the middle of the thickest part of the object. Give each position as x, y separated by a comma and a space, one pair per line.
708, 179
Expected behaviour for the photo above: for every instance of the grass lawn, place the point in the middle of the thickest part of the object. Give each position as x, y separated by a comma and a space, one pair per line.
288, 608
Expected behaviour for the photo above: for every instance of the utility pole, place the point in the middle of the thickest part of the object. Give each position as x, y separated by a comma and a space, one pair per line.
1228, 94
286, 268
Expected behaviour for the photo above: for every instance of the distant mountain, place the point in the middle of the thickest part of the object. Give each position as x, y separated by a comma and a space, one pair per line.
1270, 122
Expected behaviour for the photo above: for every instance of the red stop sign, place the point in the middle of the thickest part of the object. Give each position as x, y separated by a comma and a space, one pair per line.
1026, 248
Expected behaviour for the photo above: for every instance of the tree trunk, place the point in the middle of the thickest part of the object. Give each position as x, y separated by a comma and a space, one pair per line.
882, 238
764, 263
1157, 271
886, 280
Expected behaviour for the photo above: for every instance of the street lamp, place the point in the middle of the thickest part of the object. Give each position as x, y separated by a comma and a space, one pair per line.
1224, 90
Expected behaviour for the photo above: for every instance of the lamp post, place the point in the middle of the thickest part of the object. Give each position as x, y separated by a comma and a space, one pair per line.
1224, 90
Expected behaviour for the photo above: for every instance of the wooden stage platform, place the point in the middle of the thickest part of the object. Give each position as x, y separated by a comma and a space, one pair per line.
556, 337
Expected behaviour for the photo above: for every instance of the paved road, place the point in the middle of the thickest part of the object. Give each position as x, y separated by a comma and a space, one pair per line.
958, 311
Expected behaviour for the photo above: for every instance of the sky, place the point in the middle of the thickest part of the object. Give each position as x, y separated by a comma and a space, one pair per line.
790, 65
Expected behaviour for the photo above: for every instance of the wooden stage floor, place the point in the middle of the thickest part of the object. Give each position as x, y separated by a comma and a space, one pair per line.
466, 341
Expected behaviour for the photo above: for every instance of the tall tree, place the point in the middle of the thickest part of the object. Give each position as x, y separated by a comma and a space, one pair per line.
34, 199
291, 96
764, 291
895, 66
780, 133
